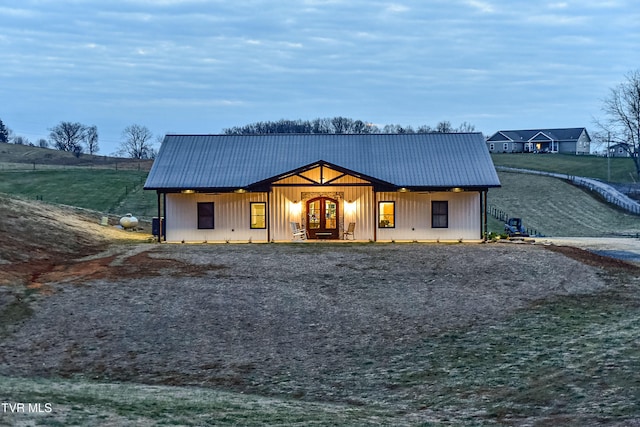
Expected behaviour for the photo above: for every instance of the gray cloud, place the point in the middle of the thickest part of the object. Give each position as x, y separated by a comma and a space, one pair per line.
196, 66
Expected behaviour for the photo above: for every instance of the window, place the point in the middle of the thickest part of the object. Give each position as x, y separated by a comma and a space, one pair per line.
492, 146
505, 146
440, 214
387, 214
258, 215
205, 215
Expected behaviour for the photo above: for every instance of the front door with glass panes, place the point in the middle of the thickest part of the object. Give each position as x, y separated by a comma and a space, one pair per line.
322, 218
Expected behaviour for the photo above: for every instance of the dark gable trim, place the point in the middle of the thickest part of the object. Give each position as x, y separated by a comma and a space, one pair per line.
266, 184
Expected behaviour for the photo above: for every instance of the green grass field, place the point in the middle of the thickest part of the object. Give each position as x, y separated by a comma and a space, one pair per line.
619, 169
556, 208
108, 191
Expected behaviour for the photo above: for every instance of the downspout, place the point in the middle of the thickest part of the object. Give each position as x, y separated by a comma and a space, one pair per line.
159, 218
485, 214
269, 215
481, 214
375, 218
164, 211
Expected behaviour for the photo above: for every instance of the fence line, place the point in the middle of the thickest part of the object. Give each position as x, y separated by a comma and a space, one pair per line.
608, 193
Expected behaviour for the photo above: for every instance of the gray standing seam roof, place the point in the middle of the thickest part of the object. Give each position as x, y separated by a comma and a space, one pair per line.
435, 160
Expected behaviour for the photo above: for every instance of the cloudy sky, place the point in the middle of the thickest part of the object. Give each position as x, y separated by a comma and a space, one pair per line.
199, 66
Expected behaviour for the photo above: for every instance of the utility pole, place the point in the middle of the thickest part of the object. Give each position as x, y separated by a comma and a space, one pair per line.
608, 156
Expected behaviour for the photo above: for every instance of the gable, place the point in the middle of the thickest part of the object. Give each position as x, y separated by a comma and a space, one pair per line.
540, 136
321, 174
499, 137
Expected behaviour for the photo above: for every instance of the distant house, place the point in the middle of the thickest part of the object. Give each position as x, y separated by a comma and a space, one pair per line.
568, 140
263, 188
620, 150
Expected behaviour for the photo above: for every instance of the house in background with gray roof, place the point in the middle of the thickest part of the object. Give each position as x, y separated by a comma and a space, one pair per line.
620, 150
566, 140
408, 187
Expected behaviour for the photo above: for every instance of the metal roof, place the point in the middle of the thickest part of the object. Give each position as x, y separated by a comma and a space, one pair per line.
434, 160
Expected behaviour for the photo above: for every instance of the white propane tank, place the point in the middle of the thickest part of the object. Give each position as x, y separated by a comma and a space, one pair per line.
128, 221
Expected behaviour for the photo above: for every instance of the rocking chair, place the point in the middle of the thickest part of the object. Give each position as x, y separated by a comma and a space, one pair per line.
349, 232
298, 233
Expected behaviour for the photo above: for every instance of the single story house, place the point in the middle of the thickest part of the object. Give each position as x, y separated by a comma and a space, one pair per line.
567, 140
266, 188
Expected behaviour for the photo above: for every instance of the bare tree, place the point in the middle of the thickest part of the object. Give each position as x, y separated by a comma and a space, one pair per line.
466, 127
340, 124
622, 122
135, 142
444, 127
91, 139
21, 140
68, 136
4, 133
424, 129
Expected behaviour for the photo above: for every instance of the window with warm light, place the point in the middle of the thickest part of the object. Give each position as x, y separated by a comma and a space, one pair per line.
386, 214
205, 215
258, 215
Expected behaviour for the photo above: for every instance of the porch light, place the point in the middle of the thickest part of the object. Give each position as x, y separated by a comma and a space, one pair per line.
457, 190
295, 207
349, 207
240, 191
403, 190
188, 191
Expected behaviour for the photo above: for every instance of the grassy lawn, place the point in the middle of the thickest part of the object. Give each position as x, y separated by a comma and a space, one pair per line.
108, 191
557, 208
90, 403
622, 169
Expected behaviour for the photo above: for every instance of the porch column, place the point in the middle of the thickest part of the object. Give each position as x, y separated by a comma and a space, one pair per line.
268, 213
159, 218
484, 214
375, 215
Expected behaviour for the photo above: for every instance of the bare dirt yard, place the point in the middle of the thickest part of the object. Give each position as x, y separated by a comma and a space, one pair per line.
363, 334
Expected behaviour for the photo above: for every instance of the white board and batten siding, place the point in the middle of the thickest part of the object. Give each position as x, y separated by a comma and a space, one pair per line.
356, 204
413, 217
232, 218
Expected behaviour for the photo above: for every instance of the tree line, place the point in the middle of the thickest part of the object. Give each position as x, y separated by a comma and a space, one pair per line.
340, 125
78, 139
